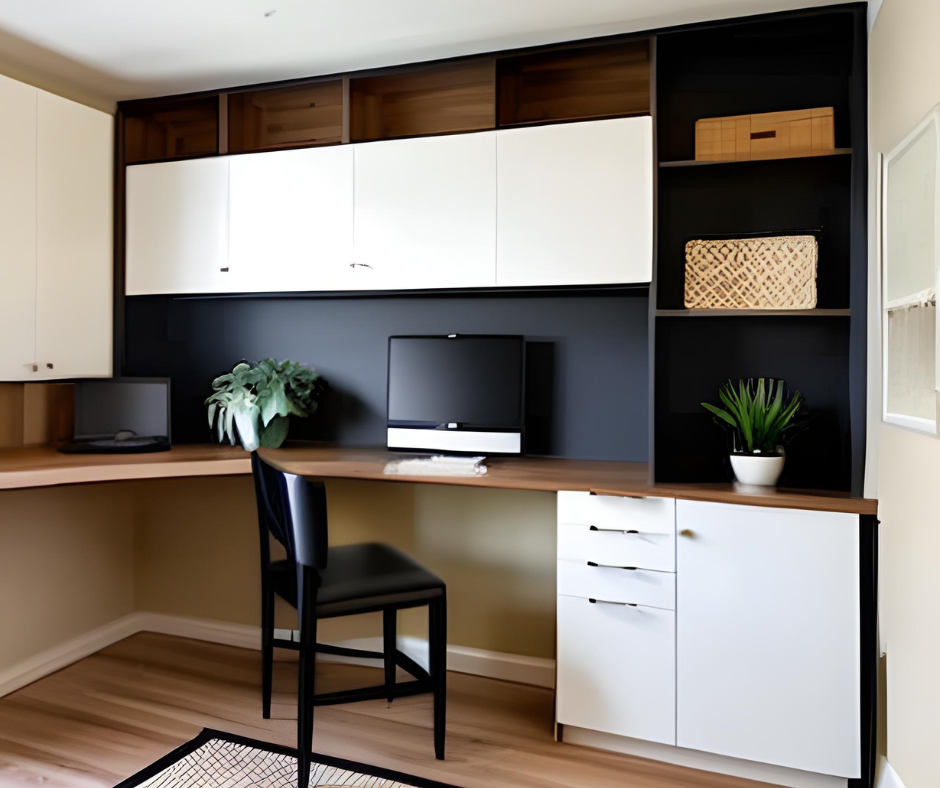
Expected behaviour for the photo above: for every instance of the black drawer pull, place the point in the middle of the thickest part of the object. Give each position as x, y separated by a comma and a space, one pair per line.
611, 566
607, 602
613, 530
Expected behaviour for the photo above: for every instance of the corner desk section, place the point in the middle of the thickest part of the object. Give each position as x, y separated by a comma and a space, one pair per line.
677, 605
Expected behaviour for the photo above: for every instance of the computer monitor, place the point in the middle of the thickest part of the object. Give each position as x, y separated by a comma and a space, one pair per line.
104, 408
460, 394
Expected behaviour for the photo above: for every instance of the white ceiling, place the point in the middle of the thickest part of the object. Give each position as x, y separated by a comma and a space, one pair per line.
118, 49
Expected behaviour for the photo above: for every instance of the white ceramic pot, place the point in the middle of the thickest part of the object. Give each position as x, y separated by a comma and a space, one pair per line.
754, 469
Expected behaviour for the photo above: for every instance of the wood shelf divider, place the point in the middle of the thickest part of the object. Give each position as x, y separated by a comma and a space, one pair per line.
694, 163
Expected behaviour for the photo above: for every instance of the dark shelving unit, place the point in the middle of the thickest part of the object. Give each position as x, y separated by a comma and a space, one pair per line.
797, 60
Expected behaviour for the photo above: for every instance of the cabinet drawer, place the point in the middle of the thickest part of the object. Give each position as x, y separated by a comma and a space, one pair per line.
638, 532
616, 669
617, 584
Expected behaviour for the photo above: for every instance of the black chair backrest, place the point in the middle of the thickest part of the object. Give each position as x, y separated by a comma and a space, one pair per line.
293, 510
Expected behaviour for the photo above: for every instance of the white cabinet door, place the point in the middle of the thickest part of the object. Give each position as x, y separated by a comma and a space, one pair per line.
768, 635
426, 212
616, 669
291, 219
17, 229
576, 203
177, 228
74, 279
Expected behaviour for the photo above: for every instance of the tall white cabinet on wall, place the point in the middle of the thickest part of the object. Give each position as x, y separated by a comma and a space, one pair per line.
55, 236
426, 212
576, 203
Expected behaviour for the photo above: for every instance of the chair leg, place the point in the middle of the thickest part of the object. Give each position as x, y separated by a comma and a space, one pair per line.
307, 668
437, 639
389, 645
267, 649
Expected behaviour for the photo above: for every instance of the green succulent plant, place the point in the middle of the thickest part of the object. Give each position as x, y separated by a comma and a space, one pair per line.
756, 413
257, 400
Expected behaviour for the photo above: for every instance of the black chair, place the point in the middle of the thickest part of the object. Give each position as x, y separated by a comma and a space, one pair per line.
324, 582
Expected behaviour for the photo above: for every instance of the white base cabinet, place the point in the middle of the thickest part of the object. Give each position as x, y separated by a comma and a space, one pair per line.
768, 640
56, 262
616, 668
724, 629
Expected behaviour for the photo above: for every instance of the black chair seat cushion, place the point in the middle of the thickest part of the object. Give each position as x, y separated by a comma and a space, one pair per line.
360, 577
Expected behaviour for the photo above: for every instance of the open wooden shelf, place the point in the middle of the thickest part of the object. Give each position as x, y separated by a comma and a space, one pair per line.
172, 130
694, 163
286, 117
753, 313
433, 100
575, 84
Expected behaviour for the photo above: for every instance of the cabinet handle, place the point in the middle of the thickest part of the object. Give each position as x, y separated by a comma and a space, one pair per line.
611, 566
360, 265
612, 495
33, 366
613, 530
48, 366
607, 602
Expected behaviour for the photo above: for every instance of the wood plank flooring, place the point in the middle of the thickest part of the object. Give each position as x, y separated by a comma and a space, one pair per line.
104, 718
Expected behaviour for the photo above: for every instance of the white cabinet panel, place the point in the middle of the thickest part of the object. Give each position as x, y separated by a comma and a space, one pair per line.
768, 635
616, 583
616, 669
177, 228
17, 229
291, 219
426, 212
74, 252
575, 203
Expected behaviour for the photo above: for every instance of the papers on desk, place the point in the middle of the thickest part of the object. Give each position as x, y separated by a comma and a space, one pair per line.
438, 466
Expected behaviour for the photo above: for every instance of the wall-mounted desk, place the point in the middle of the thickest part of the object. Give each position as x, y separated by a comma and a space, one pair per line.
682, 654
45, 467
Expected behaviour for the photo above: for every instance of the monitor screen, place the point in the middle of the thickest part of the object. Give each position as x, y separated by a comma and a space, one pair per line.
105, 407
471, 381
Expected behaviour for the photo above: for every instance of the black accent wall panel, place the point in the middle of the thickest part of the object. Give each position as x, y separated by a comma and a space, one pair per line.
586, 387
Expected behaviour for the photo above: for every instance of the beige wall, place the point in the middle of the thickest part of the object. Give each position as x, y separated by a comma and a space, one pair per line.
905, 85
196, 554
66, 565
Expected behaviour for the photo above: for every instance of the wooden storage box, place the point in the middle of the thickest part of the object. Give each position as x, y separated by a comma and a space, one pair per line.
771, 135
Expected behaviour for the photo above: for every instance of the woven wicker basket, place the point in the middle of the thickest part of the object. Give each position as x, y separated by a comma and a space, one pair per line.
751, 273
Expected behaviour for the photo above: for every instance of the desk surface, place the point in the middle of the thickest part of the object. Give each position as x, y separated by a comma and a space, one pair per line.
45, 467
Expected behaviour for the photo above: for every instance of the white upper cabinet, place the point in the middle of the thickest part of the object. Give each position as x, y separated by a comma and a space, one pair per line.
177, 228
426, 213
576, 203
56, 259
768, 641
291, 219
17, 229
74, 290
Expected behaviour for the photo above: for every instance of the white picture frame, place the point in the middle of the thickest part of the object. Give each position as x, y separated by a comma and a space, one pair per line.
910, 257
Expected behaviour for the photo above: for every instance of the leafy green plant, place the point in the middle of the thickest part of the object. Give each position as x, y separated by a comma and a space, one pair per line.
756, 413
256, 400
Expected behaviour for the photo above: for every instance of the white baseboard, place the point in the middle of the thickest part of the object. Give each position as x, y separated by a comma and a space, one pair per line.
477, 662
885, 776
706, 761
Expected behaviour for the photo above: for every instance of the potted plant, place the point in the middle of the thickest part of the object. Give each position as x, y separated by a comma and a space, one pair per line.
759, 418
256, 401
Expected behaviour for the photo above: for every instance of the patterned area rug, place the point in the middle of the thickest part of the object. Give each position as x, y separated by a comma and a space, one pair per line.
221, 760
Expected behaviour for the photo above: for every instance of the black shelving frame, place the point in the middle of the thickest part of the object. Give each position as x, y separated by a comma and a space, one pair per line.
774, 62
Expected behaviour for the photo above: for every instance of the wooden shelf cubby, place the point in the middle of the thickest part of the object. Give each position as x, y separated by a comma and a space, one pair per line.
173, 129
575, 84
286, 117
453, 97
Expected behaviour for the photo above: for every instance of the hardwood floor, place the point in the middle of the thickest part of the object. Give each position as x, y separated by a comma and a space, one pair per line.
104, 718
